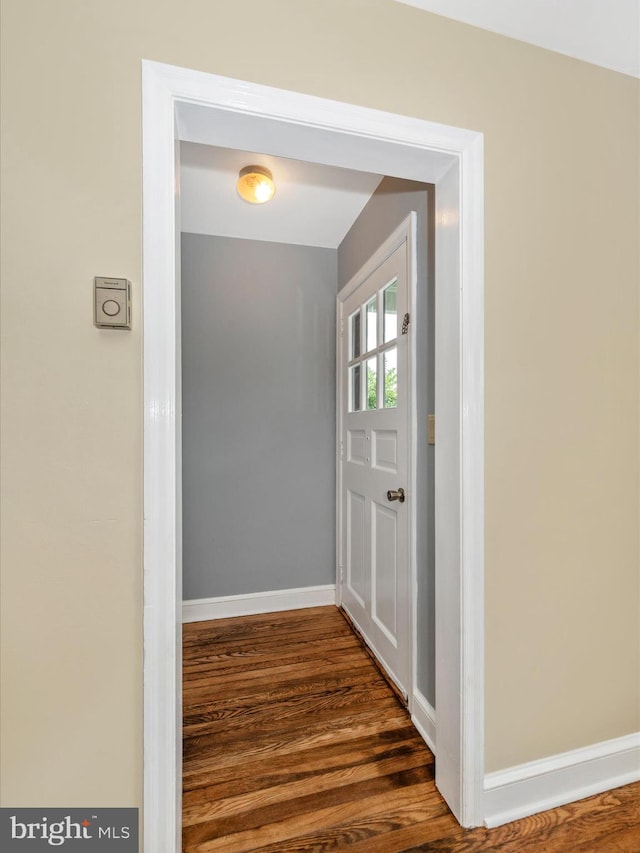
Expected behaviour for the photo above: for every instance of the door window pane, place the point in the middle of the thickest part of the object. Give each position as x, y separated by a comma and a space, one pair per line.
390, 359
390, 302
354, 322
354, 388
372, 324
372, 383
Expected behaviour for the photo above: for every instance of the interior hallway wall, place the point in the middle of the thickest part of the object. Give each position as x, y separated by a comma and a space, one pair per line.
392, 202
258, 424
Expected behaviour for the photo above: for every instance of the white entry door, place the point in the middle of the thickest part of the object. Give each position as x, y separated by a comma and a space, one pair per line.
374, 421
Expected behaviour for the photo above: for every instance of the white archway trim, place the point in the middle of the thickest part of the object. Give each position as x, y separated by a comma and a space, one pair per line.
183, 104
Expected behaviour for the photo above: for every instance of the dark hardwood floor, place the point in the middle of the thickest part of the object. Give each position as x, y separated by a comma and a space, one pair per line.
294, 743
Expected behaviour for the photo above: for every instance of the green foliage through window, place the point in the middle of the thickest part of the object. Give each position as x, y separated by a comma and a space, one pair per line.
390, 389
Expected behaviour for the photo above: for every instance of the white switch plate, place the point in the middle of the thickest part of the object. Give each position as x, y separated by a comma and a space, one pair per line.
431, 426
112, 303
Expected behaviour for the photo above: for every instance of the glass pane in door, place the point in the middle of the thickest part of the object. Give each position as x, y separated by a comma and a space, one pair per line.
371, 314
354, 326
390, 397
354, 388
372, 383
390, 303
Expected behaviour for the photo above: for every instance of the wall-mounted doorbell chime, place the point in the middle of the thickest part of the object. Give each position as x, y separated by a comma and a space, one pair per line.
111, 303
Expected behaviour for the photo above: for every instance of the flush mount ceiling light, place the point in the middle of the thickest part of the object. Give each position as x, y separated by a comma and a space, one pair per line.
255, 184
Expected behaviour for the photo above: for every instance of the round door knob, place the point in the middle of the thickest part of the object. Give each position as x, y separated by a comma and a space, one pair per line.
110, 307
396, 495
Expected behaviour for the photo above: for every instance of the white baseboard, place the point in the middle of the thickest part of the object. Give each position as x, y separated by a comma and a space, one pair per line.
540, 785
200, 609
423, 717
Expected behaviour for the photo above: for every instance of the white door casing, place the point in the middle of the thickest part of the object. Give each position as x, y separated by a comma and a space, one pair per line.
195, 106
374, 403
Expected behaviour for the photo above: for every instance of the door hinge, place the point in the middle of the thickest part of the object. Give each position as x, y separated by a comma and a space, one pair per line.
342, 451
341, 573
342, 328
431, 429
405, 324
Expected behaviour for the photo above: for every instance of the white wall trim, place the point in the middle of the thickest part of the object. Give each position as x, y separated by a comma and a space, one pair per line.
423, 717
201, 609
162, 752
540, 785
470, 622
181, 101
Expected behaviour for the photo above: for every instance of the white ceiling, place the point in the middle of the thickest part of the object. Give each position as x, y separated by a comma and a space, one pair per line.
603, 32
314, 205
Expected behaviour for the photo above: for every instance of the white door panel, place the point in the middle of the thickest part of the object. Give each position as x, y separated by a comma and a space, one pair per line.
374, 425
356, 550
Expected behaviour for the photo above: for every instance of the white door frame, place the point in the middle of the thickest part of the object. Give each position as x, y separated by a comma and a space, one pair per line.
190, 105
406, 232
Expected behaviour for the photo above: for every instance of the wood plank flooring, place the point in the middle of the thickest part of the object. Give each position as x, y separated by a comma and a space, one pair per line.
294, 743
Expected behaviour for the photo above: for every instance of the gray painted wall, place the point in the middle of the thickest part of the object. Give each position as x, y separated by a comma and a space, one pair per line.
389, 206
258, 395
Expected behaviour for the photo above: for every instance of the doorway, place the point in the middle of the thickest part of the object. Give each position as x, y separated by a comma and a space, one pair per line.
235, 114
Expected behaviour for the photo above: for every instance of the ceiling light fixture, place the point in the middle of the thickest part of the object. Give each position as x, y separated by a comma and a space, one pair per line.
255, 184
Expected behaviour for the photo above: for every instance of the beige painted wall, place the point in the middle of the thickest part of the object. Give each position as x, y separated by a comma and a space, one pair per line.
562, 227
